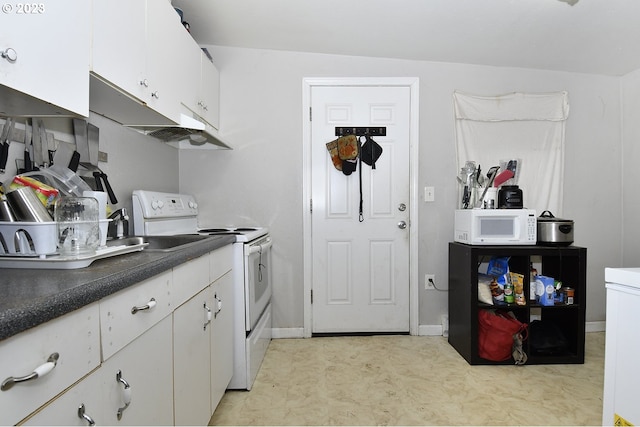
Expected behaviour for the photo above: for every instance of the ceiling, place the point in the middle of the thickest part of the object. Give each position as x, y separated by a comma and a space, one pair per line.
590, 36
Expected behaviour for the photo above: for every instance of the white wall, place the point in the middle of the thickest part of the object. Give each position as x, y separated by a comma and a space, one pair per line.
260, 181
631, 169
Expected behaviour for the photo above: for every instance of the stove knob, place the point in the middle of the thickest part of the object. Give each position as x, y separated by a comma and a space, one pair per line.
160, 204
154, 205
192, 204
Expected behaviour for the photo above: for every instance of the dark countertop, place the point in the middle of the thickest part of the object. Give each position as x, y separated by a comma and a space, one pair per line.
29, 297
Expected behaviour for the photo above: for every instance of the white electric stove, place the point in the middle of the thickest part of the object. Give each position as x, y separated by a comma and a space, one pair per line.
157, 213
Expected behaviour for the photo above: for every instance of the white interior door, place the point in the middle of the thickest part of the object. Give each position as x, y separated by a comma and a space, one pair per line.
360, 270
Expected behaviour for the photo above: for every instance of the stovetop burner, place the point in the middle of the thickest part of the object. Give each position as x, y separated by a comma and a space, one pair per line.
238, 230
243, 234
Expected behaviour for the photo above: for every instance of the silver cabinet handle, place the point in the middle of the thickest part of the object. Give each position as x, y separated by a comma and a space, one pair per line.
148, 306
40, 371
9, 54
208, 316
218, 305
87, 418
126, 393
402, 225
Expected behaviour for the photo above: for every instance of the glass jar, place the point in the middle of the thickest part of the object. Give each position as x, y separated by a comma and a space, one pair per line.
78, 226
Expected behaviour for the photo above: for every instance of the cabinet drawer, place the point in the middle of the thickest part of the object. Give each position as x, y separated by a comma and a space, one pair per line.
76, 339
128, 313
220, 261
189, 279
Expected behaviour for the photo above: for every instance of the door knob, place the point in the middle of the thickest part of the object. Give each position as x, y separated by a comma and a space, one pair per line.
9, 54
402, 225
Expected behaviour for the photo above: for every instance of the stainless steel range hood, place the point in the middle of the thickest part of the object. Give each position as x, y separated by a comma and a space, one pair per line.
189, 133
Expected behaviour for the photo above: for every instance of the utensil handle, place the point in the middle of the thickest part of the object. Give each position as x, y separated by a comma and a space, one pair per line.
112, 195
4, 156
96, 177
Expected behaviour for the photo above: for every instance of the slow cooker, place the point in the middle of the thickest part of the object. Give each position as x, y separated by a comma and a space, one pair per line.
554, 231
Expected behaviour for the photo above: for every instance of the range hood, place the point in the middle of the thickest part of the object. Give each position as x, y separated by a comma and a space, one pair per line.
189, 133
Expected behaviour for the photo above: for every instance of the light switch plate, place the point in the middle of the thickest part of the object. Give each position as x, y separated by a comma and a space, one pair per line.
429, 194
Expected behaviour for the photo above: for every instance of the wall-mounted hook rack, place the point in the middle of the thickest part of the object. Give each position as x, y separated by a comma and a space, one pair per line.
361, 131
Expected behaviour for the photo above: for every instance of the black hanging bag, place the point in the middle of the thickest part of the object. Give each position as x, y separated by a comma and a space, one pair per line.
370, 152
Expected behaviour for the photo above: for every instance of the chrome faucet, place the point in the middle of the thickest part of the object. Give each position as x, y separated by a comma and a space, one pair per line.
119, 226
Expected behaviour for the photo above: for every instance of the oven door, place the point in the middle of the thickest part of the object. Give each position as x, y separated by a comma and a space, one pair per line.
257, 279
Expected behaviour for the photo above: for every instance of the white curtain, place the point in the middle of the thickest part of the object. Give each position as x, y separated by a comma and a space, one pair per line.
525, 126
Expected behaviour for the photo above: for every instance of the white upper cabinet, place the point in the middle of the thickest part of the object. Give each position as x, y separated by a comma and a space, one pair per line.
135, 79
201, 93
209, 92
44, 67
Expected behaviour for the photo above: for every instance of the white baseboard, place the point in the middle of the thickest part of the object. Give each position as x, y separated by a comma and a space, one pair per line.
429, 330
595, 326
277, 333
423, 330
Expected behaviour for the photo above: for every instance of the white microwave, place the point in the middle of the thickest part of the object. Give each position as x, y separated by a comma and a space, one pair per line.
496, 226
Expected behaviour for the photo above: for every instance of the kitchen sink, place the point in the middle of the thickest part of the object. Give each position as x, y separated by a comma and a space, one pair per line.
159, 243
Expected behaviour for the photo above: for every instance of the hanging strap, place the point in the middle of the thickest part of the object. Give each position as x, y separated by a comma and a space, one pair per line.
361, 217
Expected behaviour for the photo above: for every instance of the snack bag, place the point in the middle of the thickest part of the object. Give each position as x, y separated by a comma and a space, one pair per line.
517, 280
45, 193
545, 287
498, 267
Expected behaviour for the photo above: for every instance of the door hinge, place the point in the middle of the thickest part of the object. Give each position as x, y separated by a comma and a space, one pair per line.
310, 116
311, 205
311, 296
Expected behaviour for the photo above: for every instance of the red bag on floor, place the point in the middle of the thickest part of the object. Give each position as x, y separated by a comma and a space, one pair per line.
496, 334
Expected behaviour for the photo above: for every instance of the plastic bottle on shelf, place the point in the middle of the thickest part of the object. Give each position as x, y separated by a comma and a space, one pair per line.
532, 283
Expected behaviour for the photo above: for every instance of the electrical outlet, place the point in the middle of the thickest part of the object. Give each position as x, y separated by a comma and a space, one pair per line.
429, 281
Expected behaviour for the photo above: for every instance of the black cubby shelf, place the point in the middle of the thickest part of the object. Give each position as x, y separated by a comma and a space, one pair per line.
565, 263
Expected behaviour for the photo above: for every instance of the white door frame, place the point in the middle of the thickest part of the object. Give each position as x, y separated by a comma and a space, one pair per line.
413, 84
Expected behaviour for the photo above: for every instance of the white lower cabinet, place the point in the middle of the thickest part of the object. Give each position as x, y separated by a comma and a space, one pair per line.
74, 338
141, 374
203, 338
167, 364
221, 338
145, 381
192, 360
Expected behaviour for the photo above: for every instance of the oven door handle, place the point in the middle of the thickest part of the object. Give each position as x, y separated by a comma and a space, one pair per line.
257, 248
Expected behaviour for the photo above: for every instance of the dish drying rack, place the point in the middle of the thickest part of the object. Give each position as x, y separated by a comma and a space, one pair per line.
32, 239
34, 245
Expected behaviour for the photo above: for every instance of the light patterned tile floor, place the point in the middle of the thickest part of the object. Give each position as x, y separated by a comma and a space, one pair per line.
410, 380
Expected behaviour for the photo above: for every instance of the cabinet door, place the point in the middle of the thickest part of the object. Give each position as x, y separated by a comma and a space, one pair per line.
166, 75
187, 54
146, 366
221, 337
118, 53
124, 86
75, 337
51, 43
192, 360
209, 92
